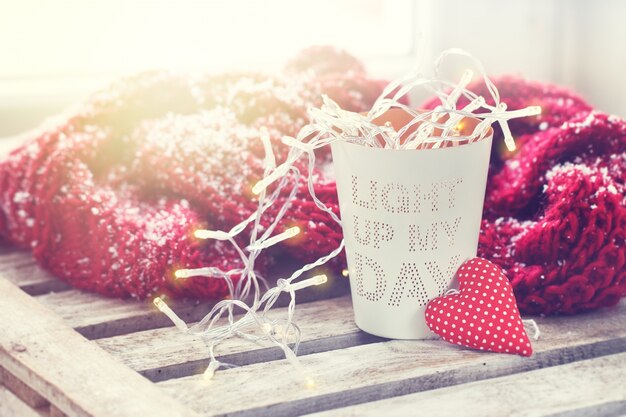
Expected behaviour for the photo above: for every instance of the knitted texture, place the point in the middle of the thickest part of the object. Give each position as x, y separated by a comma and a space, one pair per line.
109, 198
554, 216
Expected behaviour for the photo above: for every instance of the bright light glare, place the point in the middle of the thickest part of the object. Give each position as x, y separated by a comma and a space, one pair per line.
87, 37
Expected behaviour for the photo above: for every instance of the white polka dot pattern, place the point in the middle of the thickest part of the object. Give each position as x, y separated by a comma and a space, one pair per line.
483, 315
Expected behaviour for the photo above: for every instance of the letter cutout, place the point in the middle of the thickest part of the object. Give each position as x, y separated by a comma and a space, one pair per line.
408, 282
451, 186
451, 230
361, 234
433, 196
425, 241
383, 232
372, 203
401, 200
380, 283
442, 279
364, 231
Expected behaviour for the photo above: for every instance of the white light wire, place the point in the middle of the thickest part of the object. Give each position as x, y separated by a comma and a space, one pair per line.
328, 124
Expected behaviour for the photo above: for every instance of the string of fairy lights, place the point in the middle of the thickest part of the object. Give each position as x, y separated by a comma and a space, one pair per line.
245, 313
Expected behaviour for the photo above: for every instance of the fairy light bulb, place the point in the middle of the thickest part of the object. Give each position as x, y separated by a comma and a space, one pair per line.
211, 234
277, 173
534, 110
345, 273
159, 303
209, 372
165, 309
287, 234
309, 282
207, 271
309, 382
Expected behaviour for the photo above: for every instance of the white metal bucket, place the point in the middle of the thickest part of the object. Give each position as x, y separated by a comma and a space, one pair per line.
410, 218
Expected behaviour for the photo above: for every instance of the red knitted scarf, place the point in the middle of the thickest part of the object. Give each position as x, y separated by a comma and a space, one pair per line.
108, 200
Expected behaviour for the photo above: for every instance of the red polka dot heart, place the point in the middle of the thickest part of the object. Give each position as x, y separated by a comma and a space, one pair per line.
483, 314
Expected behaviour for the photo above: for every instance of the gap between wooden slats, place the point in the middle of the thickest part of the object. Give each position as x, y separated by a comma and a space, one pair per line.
383, 370
96, 317
22, 391
12, 406
161, 354
20, 268
19, 400
591, 387
73, 373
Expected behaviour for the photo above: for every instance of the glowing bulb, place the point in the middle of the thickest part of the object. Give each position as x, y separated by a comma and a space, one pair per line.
267, 328
159, 303
458, 129
207, 271
287, 234
316, 280
276, 174
309, 382
165, 309
345, 273
211, 234
181, 273
210, 370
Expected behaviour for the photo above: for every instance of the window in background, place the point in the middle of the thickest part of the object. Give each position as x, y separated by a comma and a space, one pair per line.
55, 53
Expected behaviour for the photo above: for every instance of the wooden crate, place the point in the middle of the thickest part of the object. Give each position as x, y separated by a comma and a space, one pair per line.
66, 352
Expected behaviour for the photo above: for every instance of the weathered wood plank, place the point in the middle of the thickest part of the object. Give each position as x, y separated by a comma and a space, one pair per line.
609, 409
22, 391
20, 268
12, 406
95, 316
55, 412
71, 372
588, 385
383, 370
12, 258
166, 353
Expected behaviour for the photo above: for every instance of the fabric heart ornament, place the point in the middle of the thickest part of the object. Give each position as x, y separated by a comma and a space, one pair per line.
483, 314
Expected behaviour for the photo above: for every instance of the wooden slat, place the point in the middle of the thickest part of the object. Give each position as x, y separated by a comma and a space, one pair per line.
20, 268
55, 412
383, 370
12, 258
609, 409
73, 373
22, 391
581, 386
166, 353
12, 406
95, 316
